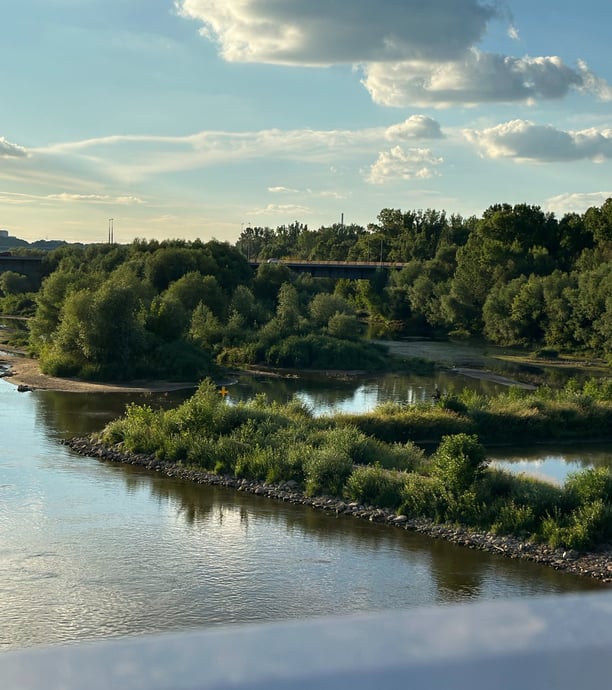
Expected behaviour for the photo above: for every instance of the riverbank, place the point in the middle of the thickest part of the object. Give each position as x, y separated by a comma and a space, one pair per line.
595, 564
24, 372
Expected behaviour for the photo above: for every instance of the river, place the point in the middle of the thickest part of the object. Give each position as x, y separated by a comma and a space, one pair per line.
91, 550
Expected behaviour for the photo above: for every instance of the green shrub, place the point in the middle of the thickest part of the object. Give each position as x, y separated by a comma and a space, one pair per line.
450, 402
326, 471
376, 486
590, 485
546, 353
138, 429
424, 497
589, 524
399, 456
465, 508
458, 461
514, 518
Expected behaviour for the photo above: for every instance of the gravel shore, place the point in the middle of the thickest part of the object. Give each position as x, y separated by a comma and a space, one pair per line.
595, 564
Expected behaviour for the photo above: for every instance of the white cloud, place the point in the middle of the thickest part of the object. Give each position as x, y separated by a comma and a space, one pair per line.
282, 190
415, 127
525, 141
280, 209
8, 150
336, 31
401, 164
130, 158
96, 199
64, 197
413, 53
477, 78
575, 202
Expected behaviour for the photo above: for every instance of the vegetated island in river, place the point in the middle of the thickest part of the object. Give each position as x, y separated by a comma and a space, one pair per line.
373, 466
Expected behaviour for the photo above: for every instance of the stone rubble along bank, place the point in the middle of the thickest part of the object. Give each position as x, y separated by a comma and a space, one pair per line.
595, 564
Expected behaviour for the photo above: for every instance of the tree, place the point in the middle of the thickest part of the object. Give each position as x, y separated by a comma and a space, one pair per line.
324, 305
12, 283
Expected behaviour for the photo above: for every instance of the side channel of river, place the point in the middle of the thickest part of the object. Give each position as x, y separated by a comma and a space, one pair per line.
90, 550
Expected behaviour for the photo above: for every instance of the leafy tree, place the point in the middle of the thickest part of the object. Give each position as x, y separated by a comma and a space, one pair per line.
344, 326
324, 305
12, 283
167, 318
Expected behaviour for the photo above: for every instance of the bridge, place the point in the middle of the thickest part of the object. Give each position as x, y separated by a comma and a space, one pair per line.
30, 266
354, 270
560, 642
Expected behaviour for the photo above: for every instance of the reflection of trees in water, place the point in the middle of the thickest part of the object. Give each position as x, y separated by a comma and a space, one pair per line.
456, 572
76, 414
194, 502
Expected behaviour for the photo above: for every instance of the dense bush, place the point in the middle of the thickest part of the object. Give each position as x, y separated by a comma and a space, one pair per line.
458, 462
331, 456
376, 486
326, 471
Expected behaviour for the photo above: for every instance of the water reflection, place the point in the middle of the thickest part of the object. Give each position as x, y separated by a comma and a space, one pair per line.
355, 393
89, 549
552, 464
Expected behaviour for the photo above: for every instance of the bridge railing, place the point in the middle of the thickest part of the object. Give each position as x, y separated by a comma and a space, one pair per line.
560, 642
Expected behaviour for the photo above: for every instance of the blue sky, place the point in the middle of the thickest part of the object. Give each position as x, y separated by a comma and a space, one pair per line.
195, 118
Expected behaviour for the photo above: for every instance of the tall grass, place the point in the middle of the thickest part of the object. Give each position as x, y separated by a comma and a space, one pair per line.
374, 460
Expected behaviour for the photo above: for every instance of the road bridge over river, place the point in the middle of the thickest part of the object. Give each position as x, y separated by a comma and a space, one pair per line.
30, 266
355, 270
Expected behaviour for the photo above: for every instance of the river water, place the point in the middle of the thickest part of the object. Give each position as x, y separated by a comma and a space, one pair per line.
93, 550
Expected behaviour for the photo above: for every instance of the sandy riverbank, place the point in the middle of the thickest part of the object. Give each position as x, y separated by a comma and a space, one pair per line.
24, 371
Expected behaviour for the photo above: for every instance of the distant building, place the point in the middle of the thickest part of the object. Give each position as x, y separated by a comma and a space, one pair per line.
4, 234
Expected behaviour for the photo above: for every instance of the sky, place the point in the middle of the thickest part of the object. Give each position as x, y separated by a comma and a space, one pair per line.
196, 118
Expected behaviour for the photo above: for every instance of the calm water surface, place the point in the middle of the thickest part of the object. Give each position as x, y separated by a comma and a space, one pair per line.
90, 550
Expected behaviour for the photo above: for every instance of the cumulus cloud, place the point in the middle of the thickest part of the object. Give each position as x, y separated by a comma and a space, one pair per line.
413, 53
8, 150
415, 127
525, 141
477, 78
576, 202
398, 163
336, 31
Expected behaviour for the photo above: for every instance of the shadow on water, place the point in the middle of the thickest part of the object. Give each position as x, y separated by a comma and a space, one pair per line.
456, 573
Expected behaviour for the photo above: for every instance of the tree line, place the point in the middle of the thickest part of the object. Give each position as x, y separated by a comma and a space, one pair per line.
516, 276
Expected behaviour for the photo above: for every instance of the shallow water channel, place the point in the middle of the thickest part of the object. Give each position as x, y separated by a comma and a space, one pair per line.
93, 550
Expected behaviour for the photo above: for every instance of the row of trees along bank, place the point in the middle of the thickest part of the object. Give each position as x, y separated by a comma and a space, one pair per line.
515, 276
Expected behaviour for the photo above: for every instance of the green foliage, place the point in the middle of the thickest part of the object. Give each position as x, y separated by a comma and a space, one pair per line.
424, 497
586, 526
326, 471
515, 518
458, 462
323, 352
12, 283
325, 305
589, 486
376, 486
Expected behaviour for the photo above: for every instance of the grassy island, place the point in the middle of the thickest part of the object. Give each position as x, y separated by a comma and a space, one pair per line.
378, 459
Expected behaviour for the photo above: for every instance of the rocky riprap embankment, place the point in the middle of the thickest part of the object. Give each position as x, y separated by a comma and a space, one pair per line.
596, 564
